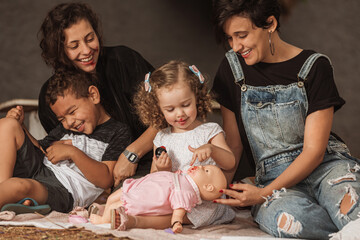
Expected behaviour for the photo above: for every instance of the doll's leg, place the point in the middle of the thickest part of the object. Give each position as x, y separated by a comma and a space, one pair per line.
11, 139
112, 202
122, 221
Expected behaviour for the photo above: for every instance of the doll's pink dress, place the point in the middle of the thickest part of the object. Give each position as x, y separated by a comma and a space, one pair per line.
159, 193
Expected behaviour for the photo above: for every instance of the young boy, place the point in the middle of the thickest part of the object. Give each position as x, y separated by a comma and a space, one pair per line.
74, 163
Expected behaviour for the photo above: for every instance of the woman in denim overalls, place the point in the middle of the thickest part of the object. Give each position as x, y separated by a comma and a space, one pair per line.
280, 109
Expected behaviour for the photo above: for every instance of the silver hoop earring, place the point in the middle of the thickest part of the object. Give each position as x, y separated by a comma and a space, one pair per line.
272, 47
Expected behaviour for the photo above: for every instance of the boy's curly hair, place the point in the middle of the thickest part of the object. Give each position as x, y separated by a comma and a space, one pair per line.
146, 103
76, 82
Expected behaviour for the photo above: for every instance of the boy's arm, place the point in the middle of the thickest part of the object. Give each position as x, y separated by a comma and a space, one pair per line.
177, 220
98, 173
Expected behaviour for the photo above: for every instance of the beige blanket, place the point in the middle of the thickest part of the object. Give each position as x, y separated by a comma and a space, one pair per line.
243, 225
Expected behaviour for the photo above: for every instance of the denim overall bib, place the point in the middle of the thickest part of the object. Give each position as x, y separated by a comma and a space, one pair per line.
274, 120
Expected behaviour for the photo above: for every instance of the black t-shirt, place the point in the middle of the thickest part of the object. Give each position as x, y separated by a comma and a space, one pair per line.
111, 139
120, 70
320, 85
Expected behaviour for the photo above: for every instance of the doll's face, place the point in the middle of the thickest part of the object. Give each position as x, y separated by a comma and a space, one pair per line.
210, 179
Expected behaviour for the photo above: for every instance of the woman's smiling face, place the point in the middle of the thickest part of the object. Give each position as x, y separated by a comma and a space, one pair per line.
247, 40
82, 45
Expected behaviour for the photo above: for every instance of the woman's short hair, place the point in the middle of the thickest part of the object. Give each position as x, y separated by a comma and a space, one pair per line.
258, 11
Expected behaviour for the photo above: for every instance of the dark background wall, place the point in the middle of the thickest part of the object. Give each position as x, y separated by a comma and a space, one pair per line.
181, 29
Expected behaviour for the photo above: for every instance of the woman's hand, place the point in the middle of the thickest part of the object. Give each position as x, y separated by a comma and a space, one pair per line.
201, 153
16, 113
242, 195
163, 162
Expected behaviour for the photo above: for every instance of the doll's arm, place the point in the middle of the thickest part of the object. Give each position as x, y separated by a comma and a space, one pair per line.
177, 220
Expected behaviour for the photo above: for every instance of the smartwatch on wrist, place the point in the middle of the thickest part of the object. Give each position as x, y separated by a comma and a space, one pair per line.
132, 157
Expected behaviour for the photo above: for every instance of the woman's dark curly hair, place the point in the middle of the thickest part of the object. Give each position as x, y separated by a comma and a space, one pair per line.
146, 103
257, 10
52, 36
63, 82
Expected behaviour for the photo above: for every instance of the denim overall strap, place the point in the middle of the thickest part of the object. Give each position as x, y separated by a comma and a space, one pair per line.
235, 66
305, 69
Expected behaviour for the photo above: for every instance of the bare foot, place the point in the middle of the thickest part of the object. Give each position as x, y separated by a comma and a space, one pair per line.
96, 219
28, 202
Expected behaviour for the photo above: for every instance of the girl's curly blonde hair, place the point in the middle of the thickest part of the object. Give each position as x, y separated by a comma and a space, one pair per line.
146, 103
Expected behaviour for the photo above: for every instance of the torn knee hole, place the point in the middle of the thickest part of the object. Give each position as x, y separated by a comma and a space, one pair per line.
282, 221
349, 199
354, 169
349, 177
288, 224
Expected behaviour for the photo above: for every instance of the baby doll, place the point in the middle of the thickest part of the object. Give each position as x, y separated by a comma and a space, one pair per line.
161, 193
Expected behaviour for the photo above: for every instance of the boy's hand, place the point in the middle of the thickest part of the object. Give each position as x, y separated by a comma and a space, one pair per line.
163, 162
16, 113
59, 151
202, 153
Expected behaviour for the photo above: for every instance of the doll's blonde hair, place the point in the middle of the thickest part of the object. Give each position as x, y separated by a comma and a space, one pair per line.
146, 102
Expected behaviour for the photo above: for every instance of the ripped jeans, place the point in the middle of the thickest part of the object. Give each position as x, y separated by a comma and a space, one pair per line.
321, 204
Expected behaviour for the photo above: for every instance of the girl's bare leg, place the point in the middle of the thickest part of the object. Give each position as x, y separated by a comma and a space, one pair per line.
11, 139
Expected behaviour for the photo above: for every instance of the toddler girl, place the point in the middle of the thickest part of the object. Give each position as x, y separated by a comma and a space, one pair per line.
175, 100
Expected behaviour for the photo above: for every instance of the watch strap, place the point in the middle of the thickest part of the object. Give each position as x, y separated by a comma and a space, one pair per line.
132, 157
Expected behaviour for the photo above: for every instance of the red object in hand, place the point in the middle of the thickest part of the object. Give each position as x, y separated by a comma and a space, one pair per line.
159, 150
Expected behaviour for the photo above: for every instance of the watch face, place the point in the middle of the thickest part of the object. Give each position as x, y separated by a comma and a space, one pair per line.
132, 157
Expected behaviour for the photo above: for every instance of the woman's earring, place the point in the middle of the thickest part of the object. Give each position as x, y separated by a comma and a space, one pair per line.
272, 47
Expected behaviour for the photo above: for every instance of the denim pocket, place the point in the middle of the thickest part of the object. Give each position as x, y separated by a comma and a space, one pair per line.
278, 124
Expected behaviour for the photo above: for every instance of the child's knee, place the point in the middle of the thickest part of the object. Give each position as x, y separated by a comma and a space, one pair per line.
8, 122
11, 128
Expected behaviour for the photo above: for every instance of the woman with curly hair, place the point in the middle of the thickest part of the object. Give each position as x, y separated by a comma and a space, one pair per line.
71, 39
174, 99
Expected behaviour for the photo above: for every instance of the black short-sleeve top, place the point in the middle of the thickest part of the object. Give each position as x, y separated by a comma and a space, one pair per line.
119, 69
320, 85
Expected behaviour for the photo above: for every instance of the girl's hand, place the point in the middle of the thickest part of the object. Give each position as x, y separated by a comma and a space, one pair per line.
163, 162
59, 151
201, 153
242, 195
16, 113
